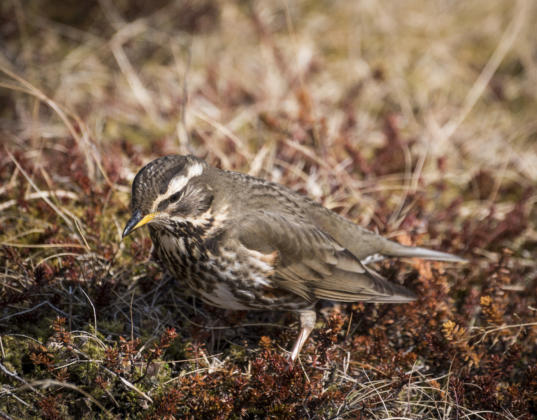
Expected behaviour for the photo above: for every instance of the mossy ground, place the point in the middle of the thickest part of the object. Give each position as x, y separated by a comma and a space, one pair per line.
414, 118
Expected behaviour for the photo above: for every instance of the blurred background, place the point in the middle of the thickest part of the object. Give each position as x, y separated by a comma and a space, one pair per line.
413, 118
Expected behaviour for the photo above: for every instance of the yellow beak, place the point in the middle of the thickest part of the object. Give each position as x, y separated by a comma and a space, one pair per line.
137, 221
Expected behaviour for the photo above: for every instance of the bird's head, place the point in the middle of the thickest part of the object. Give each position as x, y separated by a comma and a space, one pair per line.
167, 191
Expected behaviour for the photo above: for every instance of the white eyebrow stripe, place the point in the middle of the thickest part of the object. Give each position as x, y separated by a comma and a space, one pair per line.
178, 183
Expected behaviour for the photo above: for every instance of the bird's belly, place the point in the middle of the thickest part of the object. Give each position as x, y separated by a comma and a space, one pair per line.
232, 282
227, 280
242, 288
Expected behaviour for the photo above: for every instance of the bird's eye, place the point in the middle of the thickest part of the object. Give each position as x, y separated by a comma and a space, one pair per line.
170, 200
175, 196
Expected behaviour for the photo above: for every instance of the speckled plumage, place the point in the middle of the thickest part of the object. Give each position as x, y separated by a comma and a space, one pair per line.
242, 243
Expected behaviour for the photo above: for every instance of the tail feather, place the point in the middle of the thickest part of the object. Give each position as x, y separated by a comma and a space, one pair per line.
394, 249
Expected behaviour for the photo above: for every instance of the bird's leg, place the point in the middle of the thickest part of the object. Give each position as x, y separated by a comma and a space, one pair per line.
307, 323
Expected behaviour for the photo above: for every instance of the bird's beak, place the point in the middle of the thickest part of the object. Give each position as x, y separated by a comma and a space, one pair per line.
137, 221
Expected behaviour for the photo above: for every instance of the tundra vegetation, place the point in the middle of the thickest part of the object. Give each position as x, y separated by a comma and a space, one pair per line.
414, 118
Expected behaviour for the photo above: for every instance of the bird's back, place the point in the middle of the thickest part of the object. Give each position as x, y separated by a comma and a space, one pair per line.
251, 194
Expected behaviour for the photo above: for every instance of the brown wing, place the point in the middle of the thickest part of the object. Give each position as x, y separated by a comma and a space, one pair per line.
312, 264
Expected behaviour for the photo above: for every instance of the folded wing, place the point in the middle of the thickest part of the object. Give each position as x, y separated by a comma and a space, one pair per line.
313, 264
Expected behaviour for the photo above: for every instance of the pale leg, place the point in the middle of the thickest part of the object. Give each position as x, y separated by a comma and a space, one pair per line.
307, 323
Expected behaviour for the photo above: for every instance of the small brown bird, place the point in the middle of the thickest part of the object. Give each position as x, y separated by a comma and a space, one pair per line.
244, 243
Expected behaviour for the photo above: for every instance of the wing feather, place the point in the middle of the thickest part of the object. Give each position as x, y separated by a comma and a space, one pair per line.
311, 263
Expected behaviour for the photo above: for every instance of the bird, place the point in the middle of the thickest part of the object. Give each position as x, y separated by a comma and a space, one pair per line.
240, 242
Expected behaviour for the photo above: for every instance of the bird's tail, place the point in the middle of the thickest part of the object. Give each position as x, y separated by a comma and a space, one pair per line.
393, 249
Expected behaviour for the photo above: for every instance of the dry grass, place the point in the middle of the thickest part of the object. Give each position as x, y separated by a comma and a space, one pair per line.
415, 118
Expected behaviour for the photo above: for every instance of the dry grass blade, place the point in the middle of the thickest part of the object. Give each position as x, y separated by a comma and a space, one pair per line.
82, 139
72, 222
520, 17
46, 383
